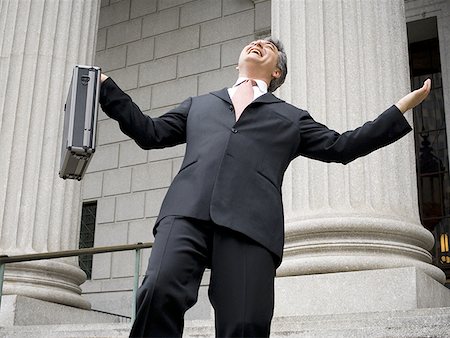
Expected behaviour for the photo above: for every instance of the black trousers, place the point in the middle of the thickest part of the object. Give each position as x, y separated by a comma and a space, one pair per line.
241, 288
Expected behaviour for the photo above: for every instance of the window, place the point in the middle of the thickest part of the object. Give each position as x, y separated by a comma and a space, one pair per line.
430, 135
87, 232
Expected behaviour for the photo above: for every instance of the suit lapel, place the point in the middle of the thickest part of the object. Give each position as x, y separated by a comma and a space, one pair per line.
267, 98
223, 94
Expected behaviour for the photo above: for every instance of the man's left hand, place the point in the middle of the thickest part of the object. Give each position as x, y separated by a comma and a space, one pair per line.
103, 77
414, 98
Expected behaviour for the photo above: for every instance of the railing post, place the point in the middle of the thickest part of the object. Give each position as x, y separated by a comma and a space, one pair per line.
137, 263
2, 275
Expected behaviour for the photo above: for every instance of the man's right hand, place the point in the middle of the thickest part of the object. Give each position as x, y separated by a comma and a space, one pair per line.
103, 77
414, 98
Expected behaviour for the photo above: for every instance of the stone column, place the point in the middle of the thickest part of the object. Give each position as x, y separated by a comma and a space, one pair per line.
348, 62
40, 42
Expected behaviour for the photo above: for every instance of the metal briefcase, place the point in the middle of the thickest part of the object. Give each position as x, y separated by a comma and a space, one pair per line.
80, 122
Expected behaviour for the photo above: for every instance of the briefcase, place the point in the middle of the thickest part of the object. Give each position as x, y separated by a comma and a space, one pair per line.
80, 122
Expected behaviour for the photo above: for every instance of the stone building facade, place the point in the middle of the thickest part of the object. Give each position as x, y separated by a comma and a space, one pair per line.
159, 52
361, 220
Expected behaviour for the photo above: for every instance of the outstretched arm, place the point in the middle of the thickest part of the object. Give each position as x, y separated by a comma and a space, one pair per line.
324, 144
149, 133
414, 98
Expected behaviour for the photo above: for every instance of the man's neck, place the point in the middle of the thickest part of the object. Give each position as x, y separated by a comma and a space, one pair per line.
249, 75
261, 84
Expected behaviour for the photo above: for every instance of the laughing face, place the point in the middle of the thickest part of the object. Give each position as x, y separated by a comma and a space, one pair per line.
258, 60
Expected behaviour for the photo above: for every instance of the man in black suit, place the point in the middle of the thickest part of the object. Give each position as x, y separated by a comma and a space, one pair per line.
224, 208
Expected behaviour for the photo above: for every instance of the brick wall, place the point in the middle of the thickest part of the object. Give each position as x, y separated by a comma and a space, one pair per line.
159, 52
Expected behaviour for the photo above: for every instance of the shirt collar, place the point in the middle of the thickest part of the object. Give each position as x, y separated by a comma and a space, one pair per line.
262, 85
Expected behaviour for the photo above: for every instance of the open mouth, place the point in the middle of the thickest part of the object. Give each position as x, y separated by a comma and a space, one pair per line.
256, 51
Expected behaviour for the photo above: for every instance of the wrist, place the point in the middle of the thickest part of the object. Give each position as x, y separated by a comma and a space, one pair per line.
401, 107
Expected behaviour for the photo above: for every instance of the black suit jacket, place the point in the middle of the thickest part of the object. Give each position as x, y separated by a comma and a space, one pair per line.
232, 171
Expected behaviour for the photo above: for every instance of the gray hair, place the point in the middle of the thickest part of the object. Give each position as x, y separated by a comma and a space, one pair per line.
282, 64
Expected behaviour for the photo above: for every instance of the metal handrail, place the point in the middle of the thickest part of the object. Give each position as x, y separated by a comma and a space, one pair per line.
4, 259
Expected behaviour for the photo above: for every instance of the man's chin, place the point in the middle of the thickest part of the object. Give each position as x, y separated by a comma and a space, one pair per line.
253, 59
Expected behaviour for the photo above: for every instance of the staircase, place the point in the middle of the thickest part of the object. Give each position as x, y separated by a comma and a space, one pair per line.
412, 323
379, 303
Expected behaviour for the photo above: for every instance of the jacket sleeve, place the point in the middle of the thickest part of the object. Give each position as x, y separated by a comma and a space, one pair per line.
149, 133
319, 142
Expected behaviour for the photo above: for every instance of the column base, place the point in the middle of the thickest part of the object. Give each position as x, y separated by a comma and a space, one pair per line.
25, 311
339, 243
52, 281
358, 292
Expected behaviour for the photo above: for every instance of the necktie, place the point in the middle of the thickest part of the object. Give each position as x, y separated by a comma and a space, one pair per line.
242, 97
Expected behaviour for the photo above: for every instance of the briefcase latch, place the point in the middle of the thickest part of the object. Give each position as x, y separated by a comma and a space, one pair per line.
85, 80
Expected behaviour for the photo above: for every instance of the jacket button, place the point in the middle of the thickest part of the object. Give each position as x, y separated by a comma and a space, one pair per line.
231, 107
234, 130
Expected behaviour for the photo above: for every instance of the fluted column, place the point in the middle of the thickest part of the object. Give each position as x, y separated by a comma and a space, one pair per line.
40, 42
348, 62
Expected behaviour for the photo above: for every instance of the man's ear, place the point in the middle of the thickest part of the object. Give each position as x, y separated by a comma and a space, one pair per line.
276, 73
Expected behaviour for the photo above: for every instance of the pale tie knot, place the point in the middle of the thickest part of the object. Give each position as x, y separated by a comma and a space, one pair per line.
243, 96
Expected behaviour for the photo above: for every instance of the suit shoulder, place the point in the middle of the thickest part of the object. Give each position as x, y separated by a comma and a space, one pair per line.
292, 112
206, 97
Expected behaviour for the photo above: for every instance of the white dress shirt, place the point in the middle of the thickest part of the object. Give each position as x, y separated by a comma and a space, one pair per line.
258, 90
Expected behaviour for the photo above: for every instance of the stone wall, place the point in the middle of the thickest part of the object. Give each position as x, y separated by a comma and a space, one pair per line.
160, 52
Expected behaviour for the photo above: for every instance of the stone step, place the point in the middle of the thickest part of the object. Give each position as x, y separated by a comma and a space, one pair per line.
17, 311
412, 323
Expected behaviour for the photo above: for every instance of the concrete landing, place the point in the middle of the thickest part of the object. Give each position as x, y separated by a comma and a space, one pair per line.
411, 323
